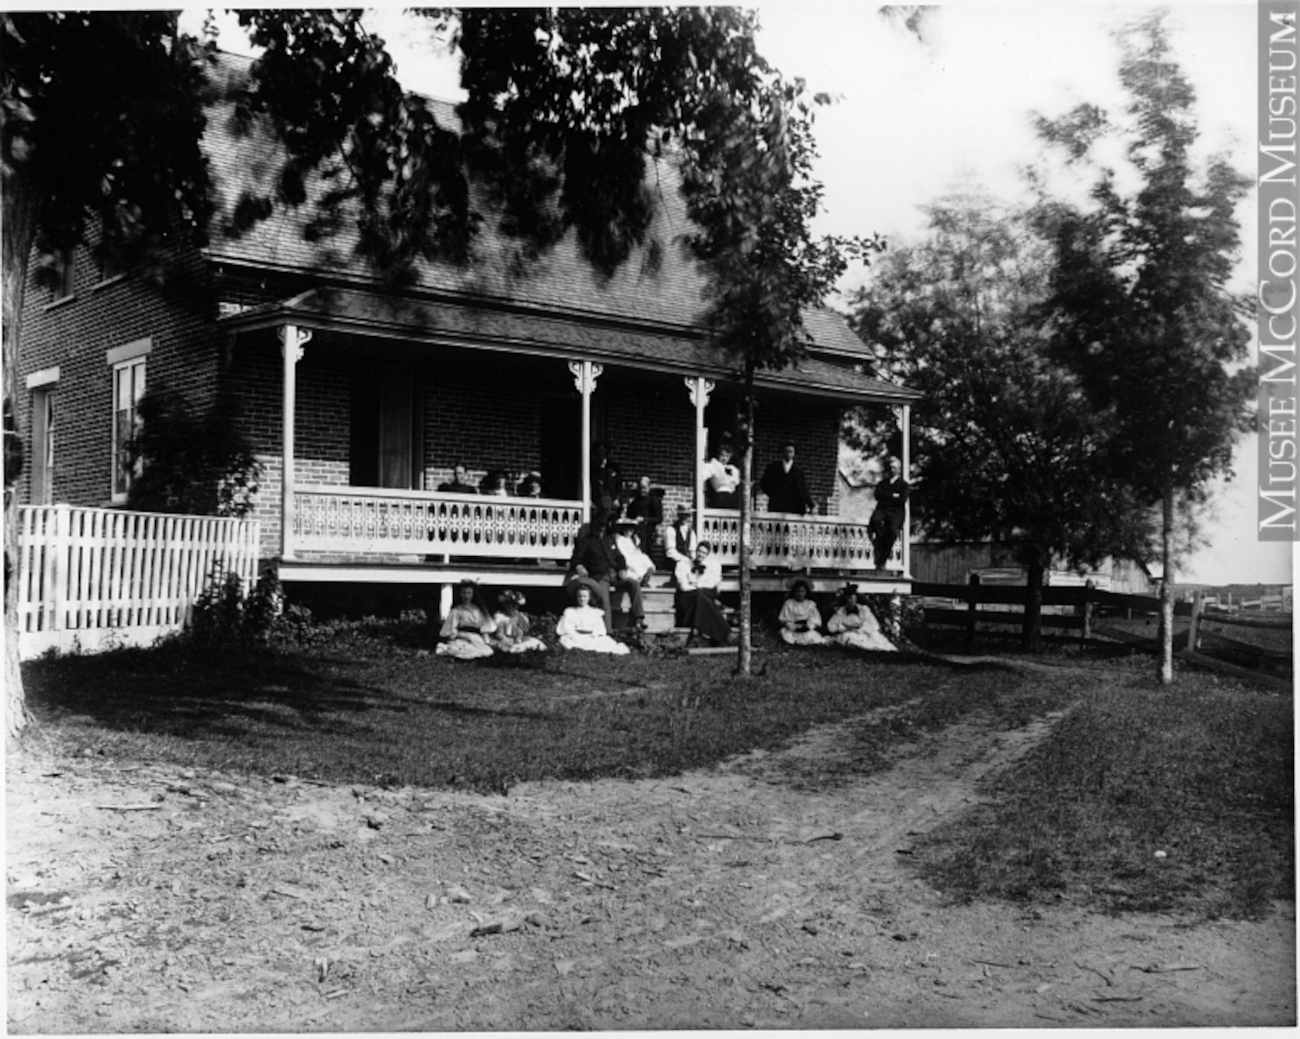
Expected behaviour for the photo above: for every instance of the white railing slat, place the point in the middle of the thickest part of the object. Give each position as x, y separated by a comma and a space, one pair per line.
84, 570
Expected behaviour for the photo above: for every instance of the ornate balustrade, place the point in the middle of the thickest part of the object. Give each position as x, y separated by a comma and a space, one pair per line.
375, 520
780, 539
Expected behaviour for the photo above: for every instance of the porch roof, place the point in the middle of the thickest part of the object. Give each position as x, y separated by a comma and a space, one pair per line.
508, 329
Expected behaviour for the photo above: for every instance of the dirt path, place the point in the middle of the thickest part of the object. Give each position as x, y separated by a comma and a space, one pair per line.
732, 898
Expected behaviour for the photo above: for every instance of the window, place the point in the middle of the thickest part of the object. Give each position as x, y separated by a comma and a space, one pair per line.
43, 386
128, 364
65, 266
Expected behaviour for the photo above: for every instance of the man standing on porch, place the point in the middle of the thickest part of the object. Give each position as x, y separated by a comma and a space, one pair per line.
599, 566
889, 515
785, 486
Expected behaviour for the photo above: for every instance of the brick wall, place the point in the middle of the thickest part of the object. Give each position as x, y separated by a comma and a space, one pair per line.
478, 408
75, 333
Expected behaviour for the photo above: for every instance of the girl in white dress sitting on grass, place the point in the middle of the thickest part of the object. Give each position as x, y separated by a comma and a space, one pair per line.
465, 627
800, 618
583, 627
512, 635
854, 625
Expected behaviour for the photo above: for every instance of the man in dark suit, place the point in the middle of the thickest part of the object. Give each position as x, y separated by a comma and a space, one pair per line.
597, 564
784, 484
888, 518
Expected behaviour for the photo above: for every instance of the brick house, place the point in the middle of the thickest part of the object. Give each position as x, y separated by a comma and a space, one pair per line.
501, 365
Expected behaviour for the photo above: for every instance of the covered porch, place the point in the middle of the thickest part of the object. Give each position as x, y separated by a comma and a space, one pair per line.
655, 388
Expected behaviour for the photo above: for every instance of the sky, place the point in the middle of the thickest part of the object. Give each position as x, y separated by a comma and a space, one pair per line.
914, 119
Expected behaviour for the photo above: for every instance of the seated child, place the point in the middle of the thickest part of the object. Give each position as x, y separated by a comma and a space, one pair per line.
853, 624
583, 627
800, 618
465, 627
511, 635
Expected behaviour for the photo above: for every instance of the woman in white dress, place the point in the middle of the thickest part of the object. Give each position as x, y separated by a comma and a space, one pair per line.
465, 627
583, 627
511, 635
853, 624
800, 618
640, 565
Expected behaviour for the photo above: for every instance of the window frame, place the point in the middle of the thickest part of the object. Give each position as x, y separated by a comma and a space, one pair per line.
65, 285
43, 387
130, 360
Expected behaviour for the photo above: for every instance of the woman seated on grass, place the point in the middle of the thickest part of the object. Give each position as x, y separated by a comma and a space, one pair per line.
583, 627
799, 617
511, 635
854, 625
465, 627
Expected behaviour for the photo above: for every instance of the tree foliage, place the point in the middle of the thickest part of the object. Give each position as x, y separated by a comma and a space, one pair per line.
1140, 302
198, 464
1005, 445
567, 111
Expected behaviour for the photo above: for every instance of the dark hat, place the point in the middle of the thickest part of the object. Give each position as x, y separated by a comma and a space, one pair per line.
624, 521
685, 510
848, 589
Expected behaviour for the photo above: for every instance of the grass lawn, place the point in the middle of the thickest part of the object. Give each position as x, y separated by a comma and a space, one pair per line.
1202, 771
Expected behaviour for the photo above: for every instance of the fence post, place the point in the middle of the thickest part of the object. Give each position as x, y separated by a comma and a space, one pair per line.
973, 599
60, 550
1192, 632
1088, 588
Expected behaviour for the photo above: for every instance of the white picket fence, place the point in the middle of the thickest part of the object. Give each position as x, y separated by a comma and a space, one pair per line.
91, 578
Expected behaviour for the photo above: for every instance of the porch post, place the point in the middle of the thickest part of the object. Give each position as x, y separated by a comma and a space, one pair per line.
907, 475
585, 374
699, 388
292, 341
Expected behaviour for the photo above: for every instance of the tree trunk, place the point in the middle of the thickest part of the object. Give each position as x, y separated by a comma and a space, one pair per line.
745, 657
1167, 588
1031, 631
18, 208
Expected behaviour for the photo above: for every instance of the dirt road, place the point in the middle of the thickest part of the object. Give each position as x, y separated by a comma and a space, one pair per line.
145, 898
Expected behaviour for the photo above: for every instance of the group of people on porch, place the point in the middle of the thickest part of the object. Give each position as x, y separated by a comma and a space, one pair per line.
640, 511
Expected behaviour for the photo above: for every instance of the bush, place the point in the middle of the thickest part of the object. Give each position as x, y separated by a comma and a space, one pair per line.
224, 613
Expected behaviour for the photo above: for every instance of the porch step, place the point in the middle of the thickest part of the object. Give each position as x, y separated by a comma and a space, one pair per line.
658, 605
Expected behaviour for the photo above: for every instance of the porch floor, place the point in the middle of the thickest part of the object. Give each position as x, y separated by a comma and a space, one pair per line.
551, 575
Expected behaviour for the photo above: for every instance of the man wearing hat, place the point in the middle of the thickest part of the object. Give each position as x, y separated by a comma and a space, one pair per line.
597, 564
679, 540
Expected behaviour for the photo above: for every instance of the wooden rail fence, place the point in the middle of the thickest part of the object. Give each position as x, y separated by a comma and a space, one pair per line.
89, 578
1083, 616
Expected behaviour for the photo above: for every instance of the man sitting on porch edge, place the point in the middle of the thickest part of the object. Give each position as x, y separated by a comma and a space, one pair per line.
597, 564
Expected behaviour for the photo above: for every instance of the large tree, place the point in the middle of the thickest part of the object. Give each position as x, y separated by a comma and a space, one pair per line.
1140, 296
567, 110
100, 118
1005, 444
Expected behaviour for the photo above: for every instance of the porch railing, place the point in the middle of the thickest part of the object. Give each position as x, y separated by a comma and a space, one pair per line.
780, 539
366, 520
106, 575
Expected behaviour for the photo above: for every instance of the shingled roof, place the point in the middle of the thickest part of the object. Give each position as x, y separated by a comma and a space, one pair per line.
664, 297
484, 327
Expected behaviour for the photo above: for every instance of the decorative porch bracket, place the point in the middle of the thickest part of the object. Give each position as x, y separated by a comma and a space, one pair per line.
292, 341
585, 374
700, 389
